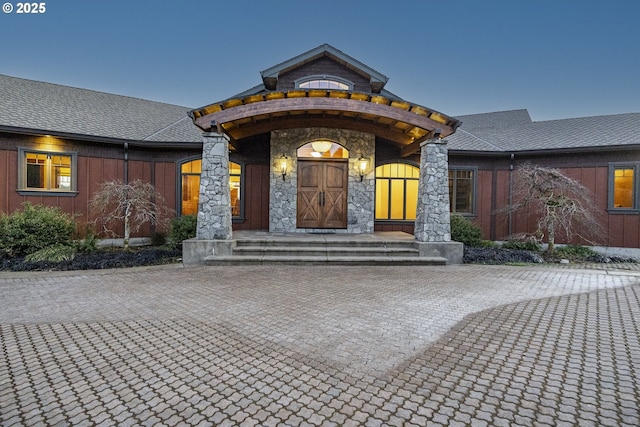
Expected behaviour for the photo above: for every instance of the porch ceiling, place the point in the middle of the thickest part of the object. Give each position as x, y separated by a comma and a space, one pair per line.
401, 122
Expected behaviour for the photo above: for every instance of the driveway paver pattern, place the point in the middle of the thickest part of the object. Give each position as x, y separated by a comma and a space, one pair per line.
276, 345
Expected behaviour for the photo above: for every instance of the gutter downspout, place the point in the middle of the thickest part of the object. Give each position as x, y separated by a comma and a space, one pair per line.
126, 162
510, 216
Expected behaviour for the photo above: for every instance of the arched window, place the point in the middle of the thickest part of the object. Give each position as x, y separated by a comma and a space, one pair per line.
323, 149
324, 82
190, 187
397, 191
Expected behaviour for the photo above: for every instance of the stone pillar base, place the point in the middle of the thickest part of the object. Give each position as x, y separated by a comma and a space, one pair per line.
452, 251
194, 251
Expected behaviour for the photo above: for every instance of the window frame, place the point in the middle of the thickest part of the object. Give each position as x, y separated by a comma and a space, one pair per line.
23, 190
474, 183
238, 218
404, 196
635, 166
327, 77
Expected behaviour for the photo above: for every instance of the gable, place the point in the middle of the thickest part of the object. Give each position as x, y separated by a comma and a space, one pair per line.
323, 67
376, 80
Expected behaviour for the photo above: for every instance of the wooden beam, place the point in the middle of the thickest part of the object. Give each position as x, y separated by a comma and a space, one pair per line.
414, 147
328, 104
303, 121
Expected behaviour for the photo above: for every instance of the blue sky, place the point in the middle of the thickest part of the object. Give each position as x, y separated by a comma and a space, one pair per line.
557, 58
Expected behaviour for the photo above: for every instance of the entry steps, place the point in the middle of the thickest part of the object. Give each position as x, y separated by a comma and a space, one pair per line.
320, 251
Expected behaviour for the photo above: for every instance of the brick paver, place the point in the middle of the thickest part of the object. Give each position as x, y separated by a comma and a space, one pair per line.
456, 345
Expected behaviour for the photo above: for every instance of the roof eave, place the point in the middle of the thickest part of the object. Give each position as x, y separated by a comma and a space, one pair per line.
99, 139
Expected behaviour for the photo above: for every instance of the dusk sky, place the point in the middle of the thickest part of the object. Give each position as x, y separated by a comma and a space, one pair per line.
556, 58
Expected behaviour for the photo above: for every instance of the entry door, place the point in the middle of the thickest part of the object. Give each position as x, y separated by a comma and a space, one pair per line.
322, 194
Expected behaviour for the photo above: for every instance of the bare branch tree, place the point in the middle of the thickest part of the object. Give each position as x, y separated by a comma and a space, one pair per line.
563, 204
131, 205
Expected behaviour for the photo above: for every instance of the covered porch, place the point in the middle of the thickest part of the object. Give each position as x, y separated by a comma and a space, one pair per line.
299, 197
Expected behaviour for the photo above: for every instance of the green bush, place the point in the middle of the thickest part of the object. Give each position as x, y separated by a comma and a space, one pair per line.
465, 231
522, 245
182, 228
55, 253
89, 243
34, 228
574, 251
158, 238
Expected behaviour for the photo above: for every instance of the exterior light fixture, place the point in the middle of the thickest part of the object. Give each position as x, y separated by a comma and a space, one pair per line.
321, 146
281, 165
361, 166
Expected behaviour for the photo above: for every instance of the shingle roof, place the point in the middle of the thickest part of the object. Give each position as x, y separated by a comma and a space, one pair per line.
46, 107
515, 131
55, 108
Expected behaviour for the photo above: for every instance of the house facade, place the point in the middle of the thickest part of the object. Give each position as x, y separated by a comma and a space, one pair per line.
320, 145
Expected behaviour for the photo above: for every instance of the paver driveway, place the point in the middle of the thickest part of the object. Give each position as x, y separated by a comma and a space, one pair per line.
456, 345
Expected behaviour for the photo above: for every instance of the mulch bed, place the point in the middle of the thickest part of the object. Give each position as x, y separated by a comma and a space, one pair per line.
507, 256
100, 259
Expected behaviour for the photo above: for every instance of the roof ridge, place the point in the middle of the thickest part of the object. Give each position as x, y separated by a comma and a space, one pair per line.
481, 139
146, 138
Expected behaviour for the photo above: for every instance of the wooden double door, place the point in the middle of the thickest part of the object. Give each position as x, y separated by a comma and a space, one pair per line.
322, 193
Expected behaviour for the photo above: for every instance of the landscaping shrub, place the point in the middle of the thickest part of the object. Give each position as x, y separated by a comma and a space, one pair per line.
182, 228
575, 251
34, 228
465, 231
55, 253
89, 243
158, 239
522, 245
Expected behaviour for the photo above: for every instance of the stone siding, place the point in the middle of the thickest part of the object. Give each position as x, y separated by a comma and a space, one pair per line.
432, 218
214, 204
283, 193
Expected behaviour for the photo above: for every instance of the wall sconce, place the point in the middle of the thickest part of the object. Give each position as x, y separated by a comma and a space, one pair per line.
361, 166
281, 165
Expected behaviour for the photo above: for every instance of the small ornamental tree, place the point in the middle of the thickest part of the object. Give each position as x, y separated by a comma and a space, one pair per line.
563, 204
131, 205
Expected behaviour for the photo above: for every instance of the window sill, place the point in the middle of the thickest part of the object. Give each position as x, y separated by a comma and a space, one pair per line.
48, 193
619, 211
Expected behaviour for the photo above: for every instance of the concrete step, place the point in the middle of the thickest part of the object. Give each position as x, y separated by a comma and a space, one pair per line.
322, 260
293, 251
323, 242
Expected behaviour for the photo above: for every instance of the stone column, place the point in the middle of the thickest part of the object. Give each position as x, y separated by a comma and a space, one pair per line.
432, 218
214, 205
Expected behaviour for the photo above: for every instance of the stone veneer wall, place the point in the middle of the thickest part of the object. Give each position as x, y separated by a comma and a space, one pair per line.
283, 194
214, 204
433, 221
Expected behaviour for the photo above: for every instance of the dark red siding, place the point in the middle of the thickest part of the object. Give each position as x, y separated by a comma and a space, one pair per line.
256, 208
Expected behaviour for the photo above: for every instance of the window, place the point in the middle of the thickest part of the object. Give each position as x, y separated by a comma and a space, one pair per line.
324, 82
461, 191
322, 149
190, 179
397, 191
190, 187
624, 187
46, 171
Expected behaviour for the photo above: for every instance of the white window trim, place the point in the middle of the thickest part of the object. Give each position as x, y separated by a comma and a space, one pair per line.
324, 77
